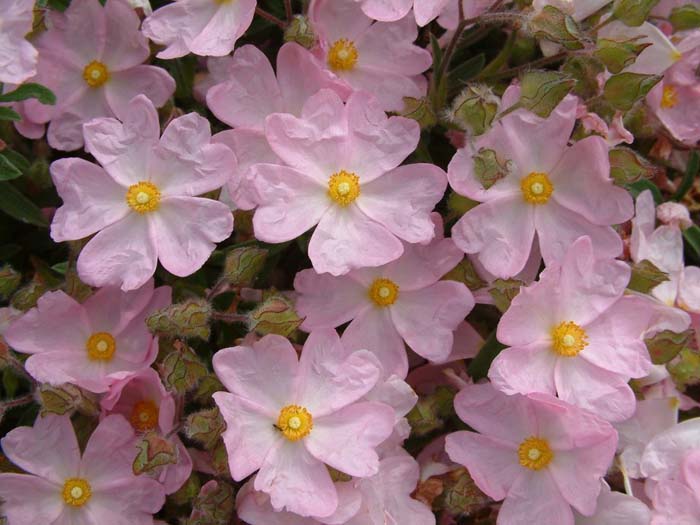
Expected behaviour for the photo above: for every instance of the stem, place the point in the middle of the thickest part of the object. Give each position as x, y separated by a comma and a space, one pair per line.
603, 23
514, 71
229, 317
270, 17
16, 402
220, 287
288, 10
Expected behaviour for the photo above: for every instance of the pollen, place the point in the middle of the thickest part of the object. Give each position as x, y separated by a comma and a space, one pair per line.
383, 292
143, 197
536, 188
101, 346
295, 422
534, 453
144, 416
343, 55
568, 339
76, 492
95, 74
669, 99
344, 187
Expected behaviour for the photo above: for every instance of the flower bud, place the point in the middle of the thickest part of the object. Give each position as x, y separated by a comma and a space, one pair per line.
617, 55
214, 505
27, 296
461, 496
420, 110
633, 12
625, 89
685, 17
275, 315
685, 371
205, 427
66, 399
646, 276
674, 213
666, 345
541, 91
474, 109
430, 412
503, 291
627, 167
9, 281
154, 452
300, 31
243, 264
181, 369
555, 25
187, 319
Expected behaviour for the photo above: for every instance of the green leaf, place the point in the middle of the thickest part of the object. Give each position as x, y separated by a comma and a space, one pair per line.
685, 17
17, 159
623, 90
690, 173
30, 90
541, 92
639, 186
692, 237
8, 170
479, 367
9, 114
16, 205
646, 276
633, 12
628, 167
437, 52
465, 71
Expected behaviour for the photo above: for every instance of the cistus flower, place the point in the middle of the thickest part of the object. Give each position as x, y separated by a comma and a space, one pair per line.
306, 414
574, 333
92, 58
540, 455
376, 57
65, 487
403, 301
546, 187
142, 399
616, 508
92, 344
342, 176
17, 56
249, 92
142, 200
203, 28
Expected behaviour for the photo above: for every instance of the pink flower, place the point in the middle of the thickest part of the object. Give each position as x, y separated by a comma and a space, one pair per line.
342, 175
540, 455
142, 199
304, 416
92, 344
615, 508
63, 488
91, 58
376, 57
676, 99
250, 92
574, 334
664, 455
449, 17
393, 10
142, 399
203, 28
556, 191
17, 56
401, 302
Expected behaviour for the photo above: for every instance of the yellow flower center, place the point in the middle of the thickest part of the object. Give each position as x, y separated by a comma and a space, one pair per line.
536, 188
144, 416
143, 197
342, 55
534, 453
344, 187
568, 339
295, 422
383, 292
76, 492
95, 74
669, 99
101, 346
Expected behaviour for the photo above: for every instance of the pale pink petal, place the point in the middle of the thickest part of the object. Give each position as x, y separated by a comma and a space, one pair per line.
30, 499
427, 318
335, 20
389, 88
577, 474
152, 81
122, 254
674, 504
524, 369
374, 330
175, 25
125, 46
664, 455
241, 368
327, 301
227, 24
346, 238
331, 376
346, 439
415, 189
386, 10
427, 10
462, 178
616, 508
249, 436
111, 310
500, 232
689, 289
49, 449
535, 498
290, 202
296, 481
492, 463
582, 183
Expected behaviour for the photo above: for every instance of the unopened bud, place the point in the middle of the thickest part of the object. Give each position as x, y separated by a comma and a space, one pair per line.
633, 12
154, 452
205, 427
685, 17
243, 264
275, 315
300, 31
474, 109
213, 505
555, 25
627, 166
9, 281
617, 55
188, 319
625, 89
66, 399
420, 110
685, 371
181, 369
646, 276
542, 91
674, 213
27, 296
666, 345
503, 291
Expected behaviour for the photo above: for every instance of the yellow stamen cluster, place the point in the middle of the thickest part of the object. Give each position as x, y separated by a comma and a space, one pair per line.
95, 74
143, 197
144, 416
342, 55
669, 99
344, 187
101, 346
568, 339
534, 453
76, 492
536, 188
295, 422
383, 292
